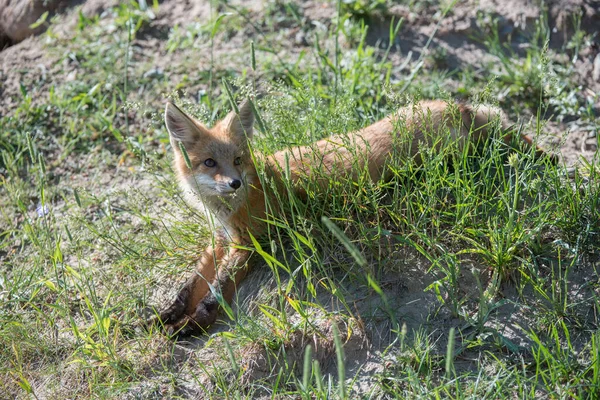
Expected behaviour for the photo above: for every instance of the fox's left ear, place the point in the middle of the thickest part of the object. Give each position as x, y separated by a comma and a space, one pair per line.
240, 124
181, 127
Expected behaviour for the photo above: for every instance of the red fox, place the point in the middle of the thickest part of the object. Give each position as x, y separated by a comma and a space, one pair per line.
218, 175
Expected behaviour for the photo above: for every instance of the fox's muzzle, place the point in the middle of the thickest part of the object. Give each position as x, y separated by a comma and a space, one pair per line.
235, 183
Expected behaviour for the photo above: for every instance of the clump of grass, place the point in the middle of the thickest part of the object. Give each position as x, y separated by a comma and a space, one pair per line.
482, 241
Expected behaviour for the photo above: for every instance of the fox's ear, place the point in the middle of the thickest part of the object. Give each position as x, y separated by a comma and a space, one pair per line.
240, 124
181, 127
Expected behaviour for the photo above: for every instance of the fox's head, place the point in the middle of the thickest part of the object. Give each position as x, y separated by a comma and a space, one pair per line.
219, 157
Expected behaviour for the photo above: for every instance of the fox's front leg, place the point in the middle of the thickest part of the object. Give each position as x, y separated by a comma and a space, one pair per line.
231, 270
196, 287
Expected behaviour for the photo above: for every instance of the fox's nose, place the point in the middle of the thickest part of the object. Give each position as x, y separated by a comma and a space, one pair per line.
236, 183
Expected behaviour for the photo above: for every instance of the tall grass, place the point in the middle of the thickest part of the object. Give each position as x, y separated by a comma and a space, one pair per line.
469, 275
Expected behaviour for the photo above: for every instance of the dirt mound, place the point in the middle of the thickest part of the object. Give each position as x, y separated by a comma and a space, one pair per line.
175, 48
17, 18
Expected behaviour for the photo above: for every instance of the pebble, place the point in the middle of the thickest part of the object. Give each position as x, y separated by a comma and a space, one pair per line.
596, 70
154, 73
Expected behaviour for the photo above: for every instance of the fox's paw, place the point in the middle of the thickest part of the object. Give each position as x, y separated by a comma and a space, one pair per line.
163, 319
173, 313
204, 316
178, 324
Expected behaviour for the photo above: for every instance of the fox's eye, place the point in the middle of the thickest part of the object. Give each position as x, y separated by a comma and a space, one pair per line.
209, 162
237, 161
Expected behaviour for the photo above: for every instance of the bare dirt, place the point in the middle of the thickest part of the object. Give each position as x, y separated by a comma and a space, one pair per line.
30, 64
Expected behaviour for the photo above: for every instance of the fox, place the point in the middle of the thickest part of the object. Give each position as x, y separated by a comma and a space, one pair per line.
217, 173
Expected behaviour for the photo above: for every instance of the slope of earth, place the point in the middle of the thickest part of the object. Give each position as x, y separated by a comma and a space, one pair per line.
95, 232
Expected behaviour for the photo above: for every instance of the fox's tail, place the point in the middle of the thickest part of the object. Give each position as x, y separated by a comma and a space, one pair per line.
481, 118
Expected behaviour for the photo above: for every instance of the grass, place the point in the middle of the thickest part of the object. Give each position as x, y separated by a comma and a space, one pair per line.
469, 276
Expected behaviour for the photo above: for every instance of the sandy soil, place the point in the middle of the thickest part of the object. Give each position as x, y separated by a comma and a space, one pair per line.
31, 64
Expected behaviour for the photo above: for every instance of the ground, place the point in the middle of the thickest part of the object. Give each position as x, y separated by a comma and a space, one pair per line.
466, 280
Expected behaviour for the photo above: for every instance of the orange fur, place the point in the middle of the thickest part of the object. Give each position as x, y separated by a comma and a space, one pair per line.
238, 211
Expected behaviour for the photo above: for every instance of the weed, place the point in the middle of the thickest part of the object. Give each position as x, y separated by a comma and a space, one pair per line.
467, 275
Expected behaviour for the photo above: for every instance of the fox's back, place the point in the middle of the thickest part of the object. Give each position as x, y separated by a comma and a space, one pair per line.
399, 135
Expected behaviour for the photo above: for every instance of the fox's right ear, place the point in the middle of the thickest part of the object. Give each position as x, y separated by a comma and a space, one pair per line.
181, 127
